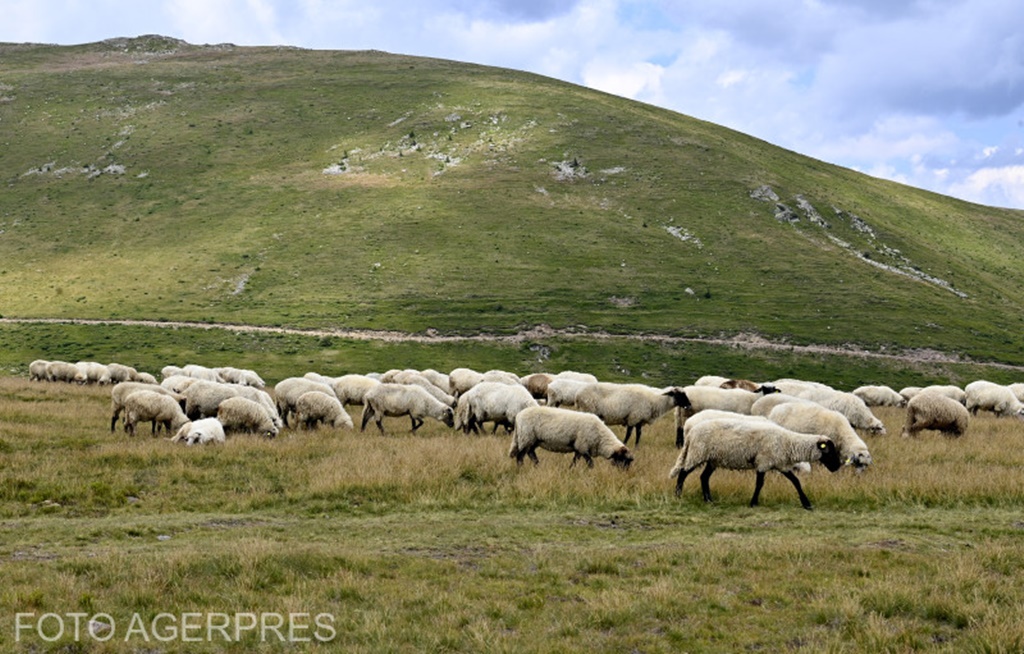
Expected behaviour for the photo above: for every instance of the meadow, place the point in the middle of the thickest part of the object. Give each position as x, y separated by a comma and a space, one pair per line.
438, 542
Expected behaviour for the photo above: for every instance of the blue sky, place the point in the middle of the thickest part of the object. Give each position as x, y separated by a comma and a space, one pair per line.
925, 92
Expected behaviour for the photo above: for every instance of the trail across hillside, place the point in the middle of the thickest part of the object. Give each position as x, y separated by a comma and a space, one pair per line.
539, 332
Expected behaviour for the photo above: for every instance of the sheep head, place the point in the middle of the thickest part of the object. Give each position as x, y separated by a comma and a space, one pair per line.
829, 454
621, 458
678, 396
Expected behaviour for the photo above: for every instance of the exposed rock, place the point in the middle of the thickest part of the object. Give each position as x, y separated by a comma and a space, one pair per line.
764, 193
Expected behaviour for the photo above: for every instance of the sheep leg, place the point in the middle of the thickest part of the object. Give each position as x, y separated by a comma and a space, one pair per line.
705, 477
637, 428
757, 488
113, 419
680, 478
629, 432
806, 503
679, 437
367, 414
416, 423
532, 453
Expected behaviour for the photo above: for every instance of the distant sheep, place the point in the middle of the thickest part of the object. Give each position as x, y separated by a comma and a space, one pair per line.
200, 432
564, 431
537, 384
239, 414
809, 418
393, 400
241, 376
315, 407
563, 391
62, 371
711, 380
153, 406
749, 445
201, 372
747, 385
95, 372
987, 396
121, 373
764, 405
351, 389
630, 405
949, 390
461, 380
935, 411
491, 402
879, 395
287, 392
177, 383
120, 393
37, 370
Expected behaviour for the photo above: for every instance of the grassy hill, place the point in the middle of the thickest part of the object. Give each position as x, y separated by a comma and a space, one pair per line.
148, 178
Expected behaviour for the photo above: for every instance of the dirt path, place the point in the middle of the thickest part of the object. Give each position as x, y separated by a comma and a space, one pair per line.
539, 332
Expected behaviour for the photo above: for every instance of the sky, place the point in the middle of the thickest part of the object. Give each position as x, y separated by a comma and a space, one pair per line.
928, 93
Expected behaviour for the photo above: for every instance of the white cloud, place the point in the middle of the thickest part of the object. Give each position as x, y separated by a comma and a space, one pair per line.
1001, 186
627, 81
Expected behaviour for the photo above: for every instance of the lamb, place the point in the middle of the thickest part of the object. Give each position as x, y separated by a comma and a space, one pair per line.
152, 406
564, 430
95, 372
351, 389
879, 395
244, 415
37, 370
809, 418
62, 371
395, 400
631, 405
120, 392
749, 445
288, 390
562, 391
987, 396
703, 397
207, 430
491, 402
936, 411
314, 407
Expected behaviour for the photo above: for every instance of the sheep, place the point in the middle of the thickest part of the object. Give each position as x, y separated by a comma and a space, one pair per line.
170, 371
711, 380
242, 376
395, 400
908, 392
491, 402
564, 430
987, 396
410, 377
748, 385
288, 390
461, 380
95, 372
177, 383
314, 407
202, 398
704, 397
812, 418
949, 390
62, 371
245, 415
577, 376
764, 405
37, 370
152, 406
848, 404
936, 411
121, 373
631, 405
749, 445
207, 430
562, 391
146, 378
537, 384
1018, 390
120, 393
715, 414
317, 377
201, 372
879, 395
351, 389
436, 378
796, 386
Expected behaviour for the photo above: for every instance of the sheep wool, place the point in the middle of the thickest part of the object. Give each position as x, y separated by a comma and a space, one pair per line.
351, 389
37, 370
564, 431
810, 418
750, 445
630, 405
879, 395
240, 414
288, 390
986, 396
491, 402
314, 407
152, 406
394, 400
201, 432
62, 371
120, 393
936, 411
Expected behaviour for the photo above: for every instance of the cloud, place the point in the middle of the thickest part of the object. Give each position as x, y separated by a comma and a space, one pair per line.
1002, 186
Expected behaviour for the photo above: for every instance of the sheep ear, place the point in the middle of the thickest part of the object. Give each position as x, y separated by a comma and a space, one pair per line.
822, 445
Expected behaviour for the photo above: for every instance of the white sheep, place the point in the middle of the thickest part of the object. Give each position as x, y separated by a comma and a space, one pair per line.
177, 383
935, 411
121, 373
986, 396
564, 431
562, 391
810, 418
120, 392
242, 376
711, 380
351, 389
491, 402
848, 404
201, 432
908, 392
315, 407
288, 390
879, 395
155, 407
630, 405
1018, 390
393, 400
240, 414
749, 445
62, 371
537, 384
576, 376
461, 380
37, 370
949, 390
410, 377
715, 414
95, 372
201, 372
705, 397
764, 405
169, 371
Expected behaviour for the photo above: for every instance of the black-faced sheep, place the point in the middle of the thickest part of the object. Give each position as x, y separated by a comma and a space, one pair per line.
630, 405
928, 410
564, 431
750, 445
811, 418
315, 407
702, 397
393, 400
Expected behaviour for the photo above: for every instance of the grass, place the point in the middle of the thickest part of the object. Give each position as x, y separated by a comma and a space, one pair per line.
437, 542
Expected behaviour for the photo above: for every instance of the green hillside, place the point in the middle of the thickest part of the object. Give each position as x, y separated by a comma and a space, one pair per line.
152, 179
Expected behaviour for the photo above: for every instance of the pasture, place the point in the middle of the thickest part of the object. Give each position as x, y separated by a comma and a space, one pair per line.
438, 542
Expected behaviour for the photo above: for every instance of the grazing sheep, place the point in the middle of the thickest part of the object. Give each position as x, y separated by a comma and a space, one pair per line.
711, 380
287, 391
799, 386
562, 391
715, 414
177, 383
314, 407
122, 373
1018, 390
239, 414
986, 396
62, 371
949, 390
393, 400
317, 377
630, 405
436, 378
95, 372
351, 389
577, 376
705, 397
461, 380
410, 377
908, 392
37, 370
879, 395
810, 418
764, 405
155, 407
241, 376
202, 399
120, 392
201, 432
749, 445
848, 404
564, 430
537, 384
935, 411
170, 371
491, 402
748, 385
201, 372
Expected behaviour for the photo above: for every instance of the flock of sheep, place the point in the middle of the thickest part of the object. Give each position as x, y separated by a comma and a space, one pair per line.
782, 425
